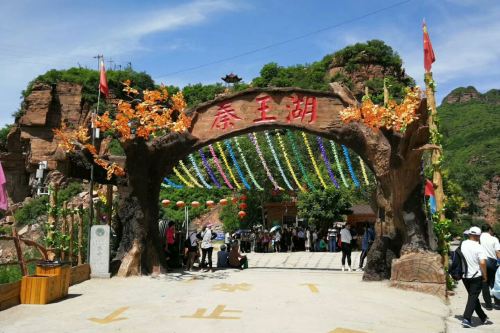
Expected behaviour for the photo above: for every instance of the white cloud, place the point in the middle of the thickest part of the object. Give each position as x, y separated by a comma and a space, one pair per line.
467, 47
31, 42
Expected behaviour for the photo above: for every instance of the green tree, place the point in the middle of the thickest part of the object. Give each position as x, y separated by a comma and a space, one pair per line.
324, 206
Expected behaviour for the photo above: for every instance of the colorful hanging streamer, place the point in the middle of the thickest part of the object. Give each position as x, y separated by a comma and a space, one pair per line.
219, 167
287, 160
245, 163
313, 160
276, 160
178, 174
298, 159
208, 168
189, 174
198, 172
339, 166
253, 138
363, 170
327, 161
224, 158
171, 183
349, 166
236, 164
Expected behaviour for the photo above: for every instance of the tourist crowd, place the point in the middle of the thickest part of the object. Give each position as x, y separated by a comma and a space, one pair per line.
476, 262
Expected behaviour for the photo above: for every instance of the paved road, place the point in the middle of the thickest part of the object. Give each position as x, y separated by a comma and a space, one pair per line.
267, 299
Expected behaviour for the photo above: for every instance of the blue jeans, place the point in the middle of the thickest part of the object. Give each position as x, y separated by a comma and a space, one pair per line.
332, 244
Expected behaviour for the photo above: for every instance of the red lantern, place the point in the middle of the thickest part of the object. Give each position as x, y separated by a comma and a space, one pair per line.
223, 202
243, 206
234, 199
180, 204
165, 202
243, 197
210, 203
195, 204
241, 214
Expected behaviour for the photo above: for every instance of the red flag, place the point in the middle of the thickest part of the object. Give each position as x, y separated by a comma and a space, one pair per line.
103, 82
429, 56
429, 188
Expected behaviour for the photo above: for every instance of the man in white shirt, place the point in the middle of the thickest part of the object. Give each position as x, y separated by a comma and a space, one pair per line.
475, 256
492, 247
345, 239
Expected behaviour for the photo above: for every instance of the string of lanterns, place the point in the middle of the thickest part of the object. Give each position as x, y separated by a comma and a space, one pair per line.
242, 206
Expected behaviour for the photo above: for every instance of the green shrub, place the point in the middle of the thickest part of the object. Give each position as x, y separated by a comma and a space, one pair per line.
30, 212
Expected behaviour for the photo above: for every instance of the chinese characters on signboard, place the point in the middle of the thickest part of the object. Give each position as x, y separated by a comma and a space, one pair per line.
300, 109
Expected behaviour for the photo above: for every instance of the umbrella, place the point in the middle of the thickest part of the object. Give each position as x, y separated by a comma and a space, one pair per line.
276, 227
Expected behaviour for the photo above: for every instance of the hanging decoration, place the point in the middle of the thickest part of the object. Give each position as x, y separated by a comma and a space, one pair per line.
165, 202
198, 172
180, 204
243, 197
189, 174
195, 204
219, 167
298, 159
245, 163
210, 204
171, 183
287, 160
243, 206
363, 171
223, 202
253, 138
241, 214
208, 168
178, 174
236, 164
327, 161
234, 200
313, 160
349, 166
339, 166
224, 158
276, 160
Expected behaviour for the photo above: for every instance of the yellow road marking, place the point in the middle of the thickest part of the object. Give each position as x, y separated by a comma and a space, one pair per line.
312, 287
111, 317
231, 288
345, 330
216, 313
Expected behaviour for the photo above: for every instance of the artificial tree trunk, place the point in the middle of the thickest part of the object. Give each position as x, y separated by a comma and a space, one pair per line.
140, 250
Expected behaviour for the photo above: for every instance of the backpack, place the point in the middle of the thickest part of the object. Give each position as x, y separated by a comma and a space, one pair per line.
458, 265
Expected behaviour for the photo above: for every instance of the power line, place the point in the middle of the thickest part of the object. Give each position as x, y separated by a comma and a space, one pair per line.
286, 41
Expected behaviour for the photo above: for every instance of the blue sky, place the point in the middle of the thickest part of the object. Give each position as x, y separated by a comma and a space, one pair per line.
165, 37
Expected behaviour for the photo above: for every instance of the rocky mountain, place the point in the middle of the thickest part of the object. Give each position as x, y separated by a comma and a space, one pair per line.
30, 140
470, 124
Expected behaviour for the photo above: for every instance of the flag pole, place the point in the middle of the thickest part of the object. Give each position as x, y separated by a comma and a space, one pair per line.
437, 178
91, 191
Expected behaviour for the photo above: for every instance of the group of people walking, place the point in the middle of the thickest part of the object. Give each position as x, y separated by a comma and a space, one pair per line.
478, 258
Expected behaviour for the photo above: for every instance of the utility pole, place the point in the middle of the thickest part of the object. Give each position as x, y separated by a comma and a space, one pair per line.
100, 58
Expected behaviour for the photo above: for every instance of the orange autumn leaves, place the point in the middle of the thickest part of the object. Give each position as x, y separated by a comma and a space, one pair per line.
391, 116
155, 114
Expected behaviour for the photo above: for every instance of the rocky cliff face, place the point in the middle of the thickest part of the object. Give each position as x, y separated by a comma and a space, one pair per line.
31, 140
489, 200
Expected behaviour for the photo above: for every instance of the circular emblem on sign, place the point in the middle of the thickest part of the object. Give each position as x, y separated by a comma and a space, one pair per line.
99, 231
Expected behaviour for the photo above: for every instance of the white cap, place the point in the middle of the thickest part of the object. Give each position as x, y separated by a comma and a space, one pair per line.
466, 232
475, 231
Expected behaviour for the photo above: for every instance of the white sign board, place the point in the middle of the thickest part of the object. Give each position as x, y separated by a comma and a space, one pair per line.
99, 251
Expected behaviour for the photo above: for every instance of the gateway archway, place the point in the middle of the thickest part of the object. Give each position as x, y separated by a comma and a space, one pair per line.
394, 158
